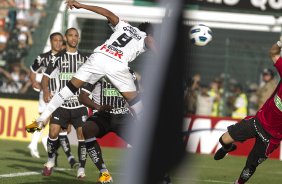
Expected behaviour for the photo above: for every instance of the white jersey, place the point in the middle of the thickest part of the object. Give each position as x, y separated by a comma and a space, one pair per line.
125, 44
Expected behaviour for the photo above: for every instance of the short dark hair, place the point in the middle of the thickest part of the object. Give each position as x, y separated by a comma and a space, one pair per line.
268, 71
72, 28
146, 27
55, 34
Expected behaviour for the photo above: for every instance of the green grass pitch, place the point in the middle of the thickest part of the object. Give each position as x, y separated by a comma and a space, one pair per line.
198, 169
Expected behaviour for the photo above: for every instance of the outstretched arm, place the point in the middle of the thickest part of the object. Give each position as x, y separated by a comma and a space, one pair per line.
113, 19
275, 50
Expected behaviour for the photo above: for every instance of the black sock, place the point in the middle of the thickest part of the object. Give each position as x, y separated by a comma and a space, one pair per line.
52, 145
226, 147
82, 154
64, 142
246, 174
95, 153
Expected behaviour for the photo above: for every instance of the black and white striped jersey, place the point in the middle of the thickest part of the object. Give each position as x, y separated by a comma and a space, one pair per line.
105, 93
40, 65
67, 64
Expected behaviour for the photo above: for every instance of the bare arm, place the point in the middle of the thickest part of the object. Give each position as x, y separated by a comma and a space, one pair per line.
274, 52
45, 89
85, 100
113, 19
34, 83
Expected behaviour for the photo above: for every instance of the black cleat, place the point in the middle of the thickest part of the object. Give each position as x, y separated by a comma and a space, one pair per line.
220, 154
73, 163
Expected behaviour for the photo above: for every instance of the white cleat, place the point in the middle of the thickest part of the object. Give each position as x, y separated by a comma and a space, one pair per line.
48, 168
33, 152
80, 173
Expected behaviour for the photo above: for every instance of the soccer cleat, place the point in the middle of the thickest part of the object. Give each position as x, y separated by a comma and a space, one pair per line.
73, 163
105, 177
48, 167
220, 154
34, 126
80, 173
33, 152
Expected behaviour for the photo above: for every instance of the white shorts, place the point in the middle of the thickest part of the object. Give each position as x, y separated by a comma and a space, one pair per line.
41, 105
99, 65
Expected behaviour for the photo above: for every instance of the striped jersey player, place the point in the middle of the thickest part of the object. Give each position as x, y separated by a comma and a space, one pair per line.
67, 65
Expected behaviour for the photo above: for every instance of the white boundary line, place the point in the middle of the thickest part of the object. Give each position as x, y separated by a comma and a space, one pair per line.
10, 175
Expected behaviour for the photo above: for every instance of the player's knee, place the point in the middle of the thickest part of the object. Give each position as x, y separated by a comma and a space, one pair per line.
53, 135
79, 133
90, 129
54, 131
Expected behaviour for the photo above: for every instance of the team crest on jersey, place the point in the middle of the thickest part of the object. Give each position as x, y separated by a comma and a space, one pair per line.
65, 63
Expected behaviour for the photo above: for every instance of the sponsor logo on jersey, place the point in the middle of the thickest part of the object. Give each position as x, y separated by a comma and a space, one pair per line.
112, 50
133, 32
66, 76
277, 101
111, 92
123, 110
72, 99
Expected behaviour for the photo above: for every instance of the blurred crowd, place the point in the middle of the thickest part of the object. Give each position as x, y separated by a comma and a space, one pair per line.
18, 20
223, 97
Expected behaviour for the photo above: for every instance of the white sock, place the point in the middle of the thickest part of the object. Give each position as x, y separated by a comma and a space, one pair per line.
44, 142
34, 140
56, 102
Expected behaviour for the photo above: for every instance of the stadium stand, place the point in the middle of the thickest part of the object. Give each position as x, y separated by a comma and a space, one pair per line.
21, 33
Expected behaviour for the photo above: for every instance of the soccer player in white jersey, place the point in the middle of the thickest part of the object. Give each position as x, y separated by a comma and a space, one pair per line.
108, 60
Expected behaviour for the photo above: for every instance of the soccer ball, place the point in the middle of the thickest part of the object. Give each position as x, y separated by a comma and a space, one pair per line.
200, 35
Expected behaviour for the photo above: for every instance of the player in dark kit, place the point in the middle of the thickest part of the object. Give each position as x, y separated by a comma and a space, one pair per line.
109, 114
71, 111
265, 127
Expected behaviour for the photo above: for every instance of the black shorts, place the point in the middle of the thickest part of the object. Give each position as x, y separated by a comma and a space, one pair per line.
117, 123
248, 128
63, 117
252, 128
